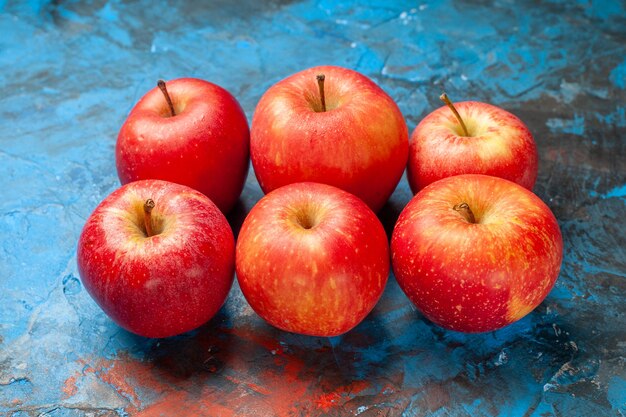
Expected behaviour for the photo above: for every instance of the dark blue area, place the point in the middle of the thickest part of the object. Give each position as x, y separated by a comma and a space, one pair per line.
70, 73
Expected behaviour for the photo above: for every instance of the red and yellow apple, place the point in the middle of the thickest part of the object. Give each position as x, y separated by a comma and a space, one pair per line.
312, 259
192, 132
486, 140
157, 257
475, 253
356, 140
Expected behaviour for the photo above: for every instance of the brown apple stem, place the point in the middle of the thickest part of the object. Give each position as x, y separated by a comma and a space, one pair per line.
147, 216
320, 86
444, 97
466, 211
163, 88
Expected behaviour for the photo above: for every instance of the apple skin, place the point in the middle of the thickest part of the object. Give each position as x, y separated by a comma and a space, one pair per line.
205, 146
476, 277
321, 280
500, 145
360, 144
165, 284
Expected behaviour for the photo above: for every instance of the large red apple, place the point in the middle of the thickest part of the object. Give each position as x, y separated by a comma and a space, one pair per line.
158, 257
357, 141
494, 142
312, 259
201, 140
475, 253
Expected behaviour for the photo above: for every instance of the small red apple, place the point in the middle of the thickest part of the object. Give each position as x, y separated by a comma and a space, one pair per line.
192, 132
157, 257
478, 139
342, 130
312, 259
475, 253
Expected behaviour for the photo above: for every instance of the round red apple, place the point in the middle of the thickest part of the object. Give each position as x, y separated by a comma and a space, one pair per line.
496, 143
475, 253
312, 259
157, 257
201, 141
357, 141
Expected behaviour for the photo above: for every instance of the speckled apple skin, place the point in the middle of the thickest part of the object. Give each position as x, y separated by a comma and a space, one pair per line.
500, 145
476, 277
321, 281
205, 146
360, 144
165, 284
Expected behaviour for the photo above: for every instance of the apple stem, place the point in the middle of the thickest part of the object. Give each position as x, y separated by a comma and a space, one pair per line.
320, 86
163, 88
444, 97
147, 216
466, 211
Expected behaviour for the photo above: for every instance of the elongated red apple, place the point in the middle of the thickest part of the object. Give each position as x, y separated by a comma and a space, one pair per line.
471, 138
157, 257
330, 125
475, 253
192, 132
312, 259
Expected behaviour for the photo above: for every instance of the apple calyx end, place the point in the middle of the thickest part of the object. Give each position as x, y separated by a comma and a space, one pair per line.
465, 211
306, 223
305, 218
320, 85
147, 216
444, 97
163, 88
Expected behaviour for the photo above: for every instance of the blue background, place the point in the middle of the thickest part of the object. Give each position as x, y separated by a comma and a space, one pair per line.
70, 73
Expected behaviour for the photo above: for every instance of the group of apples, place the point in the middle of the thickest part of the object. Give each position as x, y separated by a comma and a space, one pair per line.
474, 250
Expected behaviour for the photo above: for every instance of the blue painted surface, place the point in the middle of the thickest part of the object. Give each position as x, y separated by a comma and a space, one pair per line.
71, 71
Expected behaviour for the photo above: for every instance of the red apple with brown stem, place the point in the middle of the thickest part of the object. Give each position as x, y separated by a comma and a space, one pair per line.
471, 138
330, 125
157, 257
312, 259
190, 132
475, 253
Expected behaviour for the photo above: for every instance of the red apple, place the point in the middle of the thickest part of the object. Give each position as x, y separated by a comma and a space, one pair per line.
312, 259
359, 143
475, 253
157, 271
204, 145
496, 143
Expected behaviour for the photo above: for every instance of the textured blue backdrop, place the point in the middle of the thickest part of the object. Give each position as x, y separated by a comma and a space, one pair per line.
71, 71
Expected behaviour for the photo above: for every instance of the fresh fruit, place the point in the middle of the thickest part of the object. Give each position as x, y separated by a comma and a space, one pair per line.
312, 259
475, 253
157, 257
478, 139
191, 132
330, 125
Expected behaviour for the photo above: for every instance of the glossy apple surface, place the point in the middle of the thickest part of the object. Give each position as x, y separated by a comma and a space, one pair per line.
359, 144
312, 259
204, 146
476, 276
160, 285
499, 144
